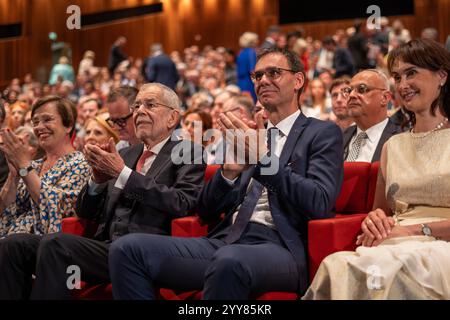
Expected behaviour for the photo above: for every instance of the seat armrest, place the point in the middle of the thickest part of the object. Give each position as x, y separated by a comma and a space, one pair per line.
327, 236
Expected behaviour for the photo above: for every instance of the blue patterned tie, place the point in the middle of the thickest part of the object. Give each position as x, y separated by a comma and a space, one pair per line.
248, 205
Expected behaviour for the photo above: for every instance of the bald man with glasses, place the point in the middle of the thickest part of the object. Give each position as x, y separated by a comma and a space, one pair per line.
368, 96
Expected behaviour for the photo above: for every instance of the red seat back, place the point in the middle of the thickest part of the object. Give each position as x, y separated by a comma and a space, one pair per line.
210, 171
353, 196
372, 185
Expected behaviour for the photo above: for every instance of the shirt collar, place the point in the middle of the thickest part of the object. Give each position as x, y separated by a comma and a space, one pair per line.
374, 132
286, 124
157, 148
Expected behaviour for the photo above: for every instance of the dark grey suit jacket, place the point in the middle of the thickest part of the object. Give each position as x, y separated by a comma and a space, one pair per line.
167, 191
390, 130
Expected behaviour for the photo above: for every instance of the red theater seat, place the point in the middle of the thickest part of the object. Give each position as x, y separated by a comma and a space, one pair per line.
325, 236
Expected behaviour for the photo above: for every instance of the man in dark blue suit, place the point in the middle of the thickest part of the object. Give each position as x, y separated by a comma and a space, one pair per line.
267, 199
160, 68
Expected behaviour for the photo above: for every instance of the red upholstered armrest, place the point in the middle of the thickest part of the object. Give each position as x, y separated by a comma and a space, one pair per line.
79, 227
327, 236
189, 227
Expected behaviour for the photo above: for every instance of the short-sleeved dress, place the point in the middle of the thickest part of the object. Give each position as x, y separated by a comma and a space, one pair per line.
60, 187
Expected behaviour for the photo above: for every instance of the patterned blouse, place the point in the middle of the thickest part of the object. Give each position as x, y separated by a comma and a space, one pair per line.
60, 187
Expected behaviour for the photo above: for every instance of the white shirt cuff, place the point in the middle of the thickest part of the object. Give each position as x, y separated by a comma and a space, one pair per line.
123, 178
95, 188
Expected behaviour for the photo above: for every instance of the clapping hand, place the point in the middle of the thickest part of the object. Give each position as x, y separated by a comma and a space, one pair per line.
245, 131
14, 150
105, 161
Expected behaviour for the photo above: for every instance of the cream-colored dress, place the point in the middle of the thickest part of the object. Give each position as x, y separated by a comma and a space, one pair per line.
418, 267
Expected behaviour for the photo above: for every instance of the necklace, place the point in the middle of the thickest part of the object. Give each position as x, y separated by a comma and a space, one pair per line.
422, 135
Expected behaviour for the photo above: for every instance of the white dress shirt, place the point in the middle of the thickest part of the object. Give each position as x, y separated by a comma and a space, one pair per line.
94, 188
262, 213
370, 144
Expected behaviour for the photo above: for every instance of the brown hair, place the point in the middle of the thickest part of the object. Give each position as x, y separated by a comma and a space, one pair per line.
205, 118
65, 108
430, 55
339, 81
127, 92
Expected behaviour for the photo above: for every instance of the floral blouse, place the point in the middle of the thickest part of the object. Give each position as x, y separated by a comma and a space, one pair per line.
60, 187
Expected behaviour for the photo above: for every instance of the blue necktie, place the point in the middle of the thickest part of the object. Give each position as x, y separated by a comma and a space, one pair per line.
248, 205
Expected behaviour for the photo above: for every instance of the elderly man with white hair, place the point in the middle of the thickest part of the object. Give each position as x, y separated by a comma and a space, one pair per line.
139, 190
368, 97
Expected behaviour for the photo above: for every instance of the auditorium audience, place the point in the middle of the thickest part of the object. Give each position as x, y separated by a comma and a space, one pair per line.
404, 252
207, 89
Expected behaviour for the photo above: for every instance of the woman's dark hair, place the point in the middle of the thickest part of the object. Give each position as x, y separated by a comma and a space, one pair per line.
205, 118
65, 108
430, 55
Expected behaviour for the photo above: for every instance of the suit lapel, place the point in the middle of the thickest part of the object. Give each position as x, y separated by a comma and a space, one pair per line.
163, 157
388, 132
348, 134
131, 158
299, 125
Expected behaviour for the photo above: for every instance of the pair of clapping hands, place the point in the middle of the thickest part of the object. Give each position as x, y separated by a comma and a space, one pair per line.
15, 151
244, 134
105, 161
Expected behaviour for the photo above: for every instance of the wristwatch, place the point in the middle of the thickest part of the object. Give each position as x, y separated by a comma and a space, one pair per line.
23, 172
426, 230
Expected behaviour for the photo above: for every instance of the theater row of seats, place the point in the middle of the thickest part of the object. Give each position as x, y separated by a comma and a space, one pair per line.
325, 236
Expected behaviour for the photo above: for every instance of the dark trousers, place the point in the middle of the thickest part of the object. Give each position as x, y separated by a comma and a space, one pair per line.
49, 258
257, 263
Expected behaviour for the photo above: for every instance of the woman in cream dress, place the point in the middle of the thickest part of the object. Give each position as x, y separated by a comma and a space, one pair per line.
404, 252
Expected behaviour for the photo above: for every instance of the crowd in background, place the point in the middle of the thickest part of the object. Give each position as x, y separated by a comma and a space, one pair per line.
205, 78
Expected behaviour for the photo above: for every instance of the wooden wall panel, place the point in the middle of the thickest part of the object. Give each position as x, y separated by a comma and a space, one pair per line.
183, 23
11, 11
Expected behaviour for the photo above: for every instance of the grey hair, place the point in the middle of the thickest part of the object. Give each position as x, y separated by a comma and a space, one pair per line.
168, 95
32, 139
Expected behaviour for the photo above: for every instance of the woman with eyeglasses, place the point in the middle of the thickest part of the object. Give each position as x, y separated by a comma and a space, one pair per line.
405, 249
39, 194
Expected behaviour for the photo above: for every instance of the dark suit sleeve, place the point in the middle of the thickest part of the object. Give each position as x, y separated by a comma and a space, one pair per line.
150, 71
315, 193
90, 207
217, 197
